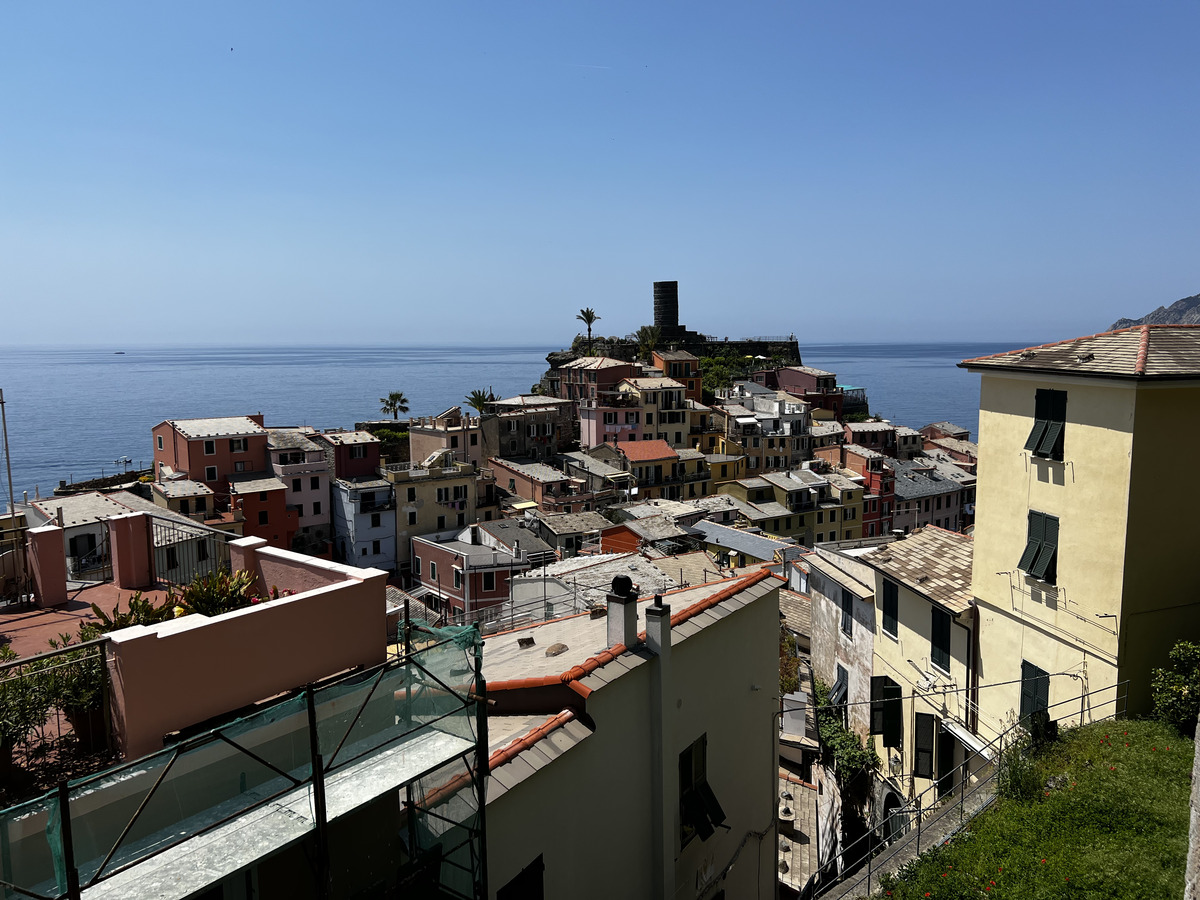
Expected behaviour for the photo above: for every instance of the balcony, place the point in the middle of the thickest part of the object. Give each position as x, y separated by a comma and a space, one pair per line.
377, 506
182, 819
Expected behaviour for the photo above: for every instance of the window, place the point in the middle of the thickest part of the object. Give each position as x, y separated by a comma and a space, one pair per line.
458, 579
847, 612
832, 516
237, 445
1040, 558
412, 518
417, 566
1050, 416
375, 548
239, 466
926, 727
474, 440
1035, 691
262, 496
512, 424
300, 509
610, 418
296, 482
364, 551
489, 581
441, 523
358, 452
432, 570
887, 710
210, 473
210, 447
454, 442
820, 517
376, 520
939, 639
314, 483
316, 508
631, 418
699, 811
160, 442
172, 558
462, 519
891, 607
649, 418
262, 517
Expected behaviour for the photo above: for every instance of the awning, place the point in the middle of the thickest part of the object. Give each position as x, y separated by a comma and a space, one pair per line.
968, 740
745, 420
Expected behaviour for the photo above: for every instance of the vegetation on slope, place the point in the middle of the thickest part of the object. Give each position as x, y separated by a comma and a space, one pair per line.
1103, 814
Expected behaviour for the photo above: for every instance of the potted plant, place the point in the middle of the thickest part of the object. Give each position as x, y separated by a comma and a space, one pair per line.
24, 703
76, 686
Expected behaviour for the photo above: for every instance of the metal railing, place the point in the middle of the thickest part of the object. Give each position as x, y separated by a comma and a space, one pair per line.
55, 707
932, 806
184, 552
281, 763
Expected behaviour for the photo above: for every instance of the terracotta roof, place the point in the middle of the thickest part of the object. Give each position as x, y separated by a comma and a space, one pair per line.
931, 561
1143, 352
642, 451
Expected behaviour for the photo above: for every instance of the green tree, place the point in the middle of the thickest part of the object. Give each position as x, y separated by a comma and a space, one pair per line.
479, 399
588, 317
394, 403
648, 337
1176, 688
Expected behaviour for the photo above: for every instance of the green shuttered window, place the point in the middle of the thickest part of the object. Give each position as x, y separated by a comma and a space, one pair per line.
1050, 417
1040, 558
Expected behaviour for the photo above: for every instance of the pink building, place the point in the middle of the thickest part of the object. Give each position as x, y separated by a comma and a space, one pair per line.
457, 572
210, 450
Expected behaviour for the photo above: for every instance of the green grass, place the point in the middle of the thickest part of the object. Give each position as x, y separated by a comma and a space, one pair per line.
1117, 828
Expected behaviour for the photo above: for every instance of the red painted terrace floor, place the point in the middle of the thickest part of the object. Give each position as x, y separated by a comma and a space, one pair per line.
28, 631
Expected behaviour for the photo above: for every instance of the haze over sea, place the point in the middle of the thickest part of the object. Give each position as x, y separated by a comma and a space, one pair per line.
72, 412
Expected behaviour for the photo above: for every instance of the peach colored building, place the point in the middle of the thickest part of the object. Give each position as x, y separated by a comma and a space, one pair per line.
210, 450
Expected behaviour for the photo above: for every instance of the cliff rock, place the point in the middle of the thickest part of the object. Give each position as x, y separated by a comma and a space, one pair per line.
1181, 312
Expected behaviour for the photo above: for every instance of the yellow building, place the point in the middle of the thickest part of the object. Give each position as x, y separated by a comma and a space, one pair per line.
1084, 567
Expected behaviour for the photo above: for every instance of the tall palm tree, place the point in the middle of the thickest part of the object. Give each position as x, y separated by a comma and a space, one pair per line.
479, 399
648, 337
394, 403
588, 317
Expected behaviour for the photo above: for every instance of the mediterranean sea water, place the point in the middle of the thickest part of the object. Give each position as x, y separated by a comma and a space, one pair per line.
73, 413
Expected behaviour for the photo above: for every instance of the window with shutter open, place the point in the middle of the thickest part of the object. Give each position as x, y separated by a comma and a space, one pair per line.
1040, 558
1050, 416
939, 639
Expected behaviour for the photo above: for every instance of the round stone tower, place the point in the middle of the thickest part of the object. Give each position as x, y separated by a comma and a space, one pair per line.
666, 306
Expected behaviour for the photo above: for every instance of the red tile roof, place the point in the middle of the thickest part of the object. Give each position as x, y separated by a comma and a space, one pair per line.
643, 451
1140, 351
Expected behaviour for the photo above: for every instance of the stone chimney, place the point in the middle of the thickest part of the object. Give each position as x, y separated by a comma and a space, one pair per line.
622, 612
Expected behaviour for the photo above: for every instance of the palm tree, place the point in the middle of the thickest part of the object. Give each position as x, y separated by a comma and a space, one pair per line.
394, 403
588, 317
479, 399
648, 337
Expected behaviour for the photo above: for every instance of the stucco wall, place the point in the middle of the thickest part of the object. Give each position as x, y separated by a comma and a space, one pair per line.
176, 674
605, 781
1057, 628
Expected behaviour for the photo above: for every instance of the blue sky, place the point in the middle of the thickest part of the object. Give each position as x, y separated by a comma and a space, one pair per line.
471, 172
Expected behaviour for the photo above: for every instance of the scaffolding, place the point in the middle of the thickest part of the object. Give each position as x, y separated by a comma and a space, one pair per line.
367, 784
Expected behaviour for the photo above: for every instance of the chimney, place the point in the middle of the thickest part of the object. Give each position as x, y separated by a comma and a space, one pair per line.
658, 628
622, 612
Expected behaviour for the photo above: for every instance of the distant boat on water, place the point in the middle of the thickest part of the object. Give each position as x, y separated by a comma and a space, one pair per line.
119, 353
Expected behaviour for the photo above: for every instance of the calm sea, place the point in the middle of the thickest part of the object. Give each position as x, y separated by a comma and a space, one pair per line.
73, 413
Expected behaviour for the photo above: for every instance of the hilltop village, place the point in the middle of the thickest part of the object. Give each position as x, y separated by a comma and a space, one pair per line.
686, 587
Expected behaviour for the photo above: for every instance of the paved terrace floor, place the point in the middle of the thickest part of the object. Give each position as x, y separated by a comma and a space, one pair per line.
28, 631
939, 824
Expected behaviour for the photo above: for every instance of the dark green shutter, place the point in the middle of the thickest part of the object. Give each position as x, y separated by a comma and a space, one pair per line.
923, 739
893, 714
891, 607
939, 640
1049, 548
1037, 527
1051, 441
1036, 435
877, 682
1035, 690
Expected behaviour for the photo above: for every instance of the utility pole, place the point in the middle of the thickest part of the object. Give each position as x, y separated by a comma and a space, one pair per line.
12, 506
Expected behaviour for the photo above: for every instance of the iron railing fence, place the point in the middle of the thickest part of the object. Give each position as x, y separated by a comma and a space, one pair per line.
183, 552
55, 717
929, 804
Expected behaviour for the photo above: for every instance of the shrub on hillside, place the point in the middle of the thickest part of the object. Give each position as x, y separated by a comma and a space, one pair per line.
1176, 688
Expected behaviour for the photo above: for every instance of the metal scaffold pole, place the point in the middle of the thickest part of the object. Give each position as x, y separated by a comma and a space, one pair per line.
12, 505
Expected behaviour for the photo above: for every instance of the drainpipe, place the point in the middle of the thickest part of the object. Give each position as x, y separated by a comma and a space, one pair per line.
663, 776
